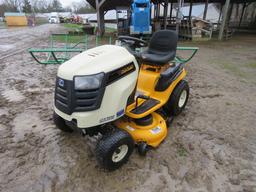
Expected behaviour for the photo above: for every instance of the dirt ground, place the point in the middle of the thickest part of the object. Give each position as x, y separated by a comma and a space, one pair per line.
211, 146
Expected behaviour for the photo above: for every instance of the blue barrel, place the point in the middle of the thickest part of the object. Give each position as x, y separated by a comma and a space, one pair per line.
141, 16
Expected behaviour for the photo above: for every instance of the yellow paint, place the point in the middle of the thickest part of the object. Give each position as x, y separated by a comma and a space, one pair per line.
147, 81
16, 20
152, 134
146, 84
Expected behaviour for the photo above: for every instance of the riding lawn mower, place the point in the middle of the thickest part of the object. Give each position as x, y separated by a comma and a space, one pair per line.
127, 97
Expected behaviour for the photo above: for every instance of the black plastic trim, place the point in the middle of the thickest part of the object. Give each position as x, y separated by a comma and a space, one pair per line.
69, 100
168, 76
120, 73
145, 106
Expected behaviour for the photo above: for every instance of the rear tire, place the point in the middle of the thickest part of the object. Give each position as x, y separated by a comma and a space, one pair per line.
178, 99
60, 123
114, 149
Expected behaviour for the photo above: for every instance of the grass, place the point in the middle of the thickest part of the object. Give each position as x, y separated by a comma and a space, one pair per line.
251, 65
230, 67
70, 39
74, 27
77, 27
181, 150
233, 68
41, 20
110, 30
2, 25
81, 38
245, 71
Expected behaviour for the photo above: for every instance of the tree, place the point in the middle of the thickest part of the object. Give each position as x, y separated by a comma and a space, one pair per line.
12, 5
82, 7
40, 6
56, 5
27, 8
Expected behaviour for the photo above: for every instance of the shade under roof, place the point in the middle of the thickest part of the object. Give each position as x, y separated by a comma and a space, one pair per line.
112, 4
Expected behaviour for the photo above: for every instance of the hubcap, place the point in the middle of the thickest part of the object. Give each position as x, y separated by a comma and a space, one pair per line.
119, 153
183, 98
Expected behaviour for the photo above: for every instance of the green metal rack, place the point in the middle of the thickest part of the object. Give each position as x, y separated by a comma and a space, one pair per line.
185, 60
70, 47
55, 55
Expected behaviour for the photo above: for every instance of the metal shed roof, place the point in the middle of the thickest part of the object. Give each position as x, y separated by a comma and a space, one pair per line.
112, 4
14, 14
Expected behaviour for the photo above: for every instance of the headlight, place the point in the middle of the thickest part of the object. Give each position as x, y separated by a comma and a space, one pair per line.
88, 82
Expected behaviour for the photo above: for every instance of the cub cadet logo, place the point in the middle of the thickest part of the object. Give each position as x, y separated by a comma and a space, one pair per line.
126, 69
61, 82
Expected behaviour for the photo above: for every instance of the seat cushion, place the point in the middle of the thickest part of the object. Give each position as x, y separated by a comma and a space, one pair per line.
151, 58
162, 48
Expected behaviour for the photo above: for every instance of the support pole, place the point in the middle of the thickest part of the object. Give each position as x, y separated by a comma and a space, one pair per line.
171, 9
190, 9
100, 18
178, 16
230, 12
157, 10
221, 6
242, 15
205, 9
223, 23
165, 13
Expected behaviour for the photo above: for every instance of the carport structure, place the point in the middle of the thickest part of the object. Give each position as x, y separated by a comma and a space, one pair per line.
226, 7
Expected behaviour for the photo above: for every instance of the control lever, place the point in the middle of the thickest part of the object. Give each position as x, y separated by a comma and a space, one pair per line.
141, 97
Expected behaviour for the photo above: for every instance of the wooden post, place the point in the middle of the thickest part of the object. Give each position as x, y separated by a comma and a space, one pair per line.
242, 15
178, 16
165, 13
230, 12
100, 17
154, 11
158, 10
221, 6
190, 9
237, 11
223, 23
205, 10
171, 9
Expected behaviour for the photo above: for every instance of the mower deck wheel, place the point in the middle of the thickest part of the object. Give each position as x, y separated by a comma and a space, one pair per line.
60, 123
142, 148
114, 149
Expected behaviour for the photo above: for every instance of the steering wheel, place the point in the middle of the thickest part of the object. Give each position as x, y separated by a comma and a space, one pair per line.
132, 42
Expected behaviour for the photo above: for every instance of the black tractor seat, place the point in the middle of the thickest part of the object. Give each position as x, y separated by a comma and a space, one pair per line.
162, 48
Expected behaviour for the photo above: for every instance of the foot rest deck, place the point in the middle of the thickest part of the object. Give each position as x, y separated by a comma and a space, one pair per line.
145, 106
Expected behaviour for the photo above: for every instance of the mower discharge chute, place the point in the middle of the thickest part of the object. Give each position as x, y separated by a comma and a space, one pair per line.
127, 96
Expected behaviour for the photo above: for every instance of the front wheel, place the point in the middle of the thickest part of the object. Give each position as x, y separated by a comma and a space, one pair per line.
178, 99
114, 149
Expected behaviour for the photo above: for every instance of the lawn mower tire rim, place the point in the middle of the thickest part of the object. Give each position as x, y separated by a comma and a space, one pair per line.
183, 98
120, 153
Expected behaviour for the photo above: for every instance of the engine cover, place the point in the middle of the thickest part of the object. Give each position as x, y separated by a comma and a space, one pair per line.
120, 70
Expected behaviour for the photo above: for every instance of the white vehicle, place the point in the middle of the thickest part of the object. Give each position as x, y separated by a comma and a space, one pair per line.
54, 18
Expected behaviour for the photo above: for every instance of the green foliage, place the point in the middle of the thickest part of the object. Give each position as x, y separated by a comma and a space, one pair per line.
70, 39
73, 27
26, 8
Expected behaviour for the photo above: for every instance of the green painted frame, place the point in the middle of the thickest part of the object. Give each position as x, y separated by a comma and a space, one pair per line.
182, 60
68, 48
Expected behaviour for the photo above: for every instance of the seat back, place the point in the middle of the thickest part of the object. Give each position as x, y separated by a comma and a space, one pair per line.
163, 42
